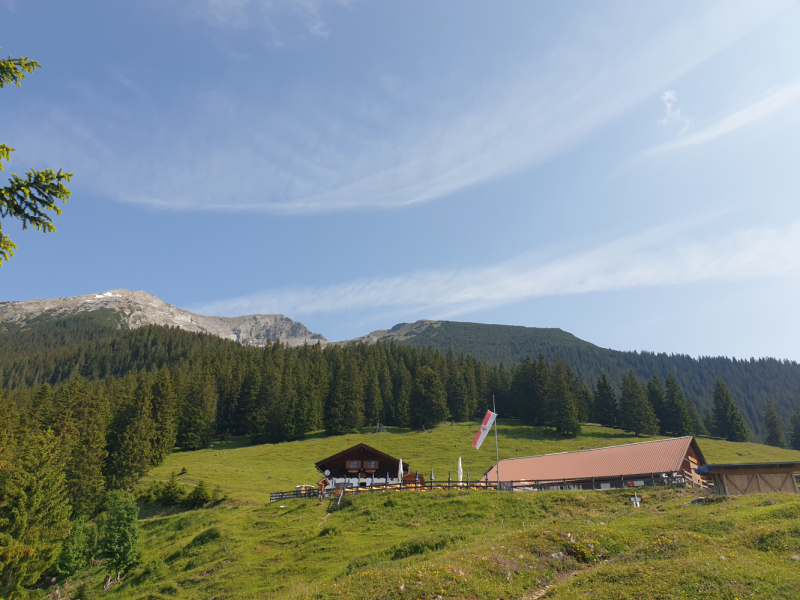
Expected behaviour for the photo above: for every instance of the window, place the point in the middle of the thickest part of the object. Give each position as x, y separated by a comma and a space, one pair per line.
353, 465
371, 464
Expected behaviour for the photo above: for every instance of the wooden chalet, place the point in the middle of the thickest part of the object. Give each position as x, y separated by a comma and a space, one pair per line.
752, 478
362, 465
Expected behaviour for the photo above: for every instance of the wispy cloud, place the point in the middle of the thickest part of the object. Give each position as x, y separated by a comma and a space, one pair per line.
666, 256
280, 18
673, 112
368, 145
755, 112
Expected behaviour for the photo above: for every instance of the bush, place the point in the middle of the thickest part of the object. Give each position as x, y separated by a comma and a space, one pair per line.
75, 553
421, 545
154, 567
199, 496
172, 492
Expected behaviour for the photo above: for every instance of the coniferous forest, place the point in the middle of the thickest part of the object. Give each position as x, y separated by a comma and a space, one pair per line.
87, 409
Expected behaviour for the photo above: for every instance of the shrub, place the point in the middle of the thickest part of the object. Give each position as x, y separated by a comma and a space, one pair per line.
75, 553
172, 492
421, 545
199, 496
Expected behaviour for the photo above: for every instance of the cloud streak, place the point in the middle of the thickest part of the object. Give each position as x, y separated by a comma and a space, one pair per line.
658, 257
755, 112
365, 145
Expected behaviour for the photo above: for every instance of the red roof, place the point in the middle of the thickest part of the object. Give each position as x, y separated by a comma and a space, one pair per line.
658, 456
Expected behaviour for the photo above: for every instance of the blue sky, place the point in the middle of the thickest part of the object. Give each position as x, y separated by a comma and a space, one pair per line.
625, 171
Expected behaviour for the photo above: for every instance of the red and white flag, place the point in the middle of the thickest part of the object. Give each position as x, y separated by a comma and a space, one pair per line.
485, 427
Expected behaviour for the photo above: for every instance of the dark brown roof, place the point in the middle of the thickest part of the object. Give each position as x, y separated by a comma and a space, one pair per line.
658, 456
383, 455
793, 465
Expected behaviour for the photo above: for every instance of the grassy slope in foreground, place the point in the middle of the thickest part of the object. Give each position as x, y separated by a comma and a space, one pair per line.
248, 473
457, 545
460, 545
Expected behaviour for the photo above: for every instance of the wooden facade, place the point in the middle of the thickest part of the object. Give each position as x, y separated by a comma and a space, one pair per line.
362, 464
751, 478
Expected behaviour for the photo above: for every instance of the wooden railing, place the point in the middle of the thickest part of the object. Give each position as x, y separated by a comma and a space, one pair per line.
682, 478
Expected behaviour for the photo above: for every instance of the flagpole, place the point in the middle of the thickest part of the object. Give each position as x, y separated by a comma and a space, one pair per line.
496, 452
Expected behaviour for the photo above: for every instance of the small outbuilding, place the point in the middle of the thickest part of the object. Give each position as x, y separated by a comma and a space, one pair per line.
362, 465
737, 479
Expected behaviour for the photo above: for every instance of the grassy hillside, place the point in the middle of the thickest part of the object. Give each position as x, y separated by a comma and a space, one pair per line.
249, 473
456, 544
752, 381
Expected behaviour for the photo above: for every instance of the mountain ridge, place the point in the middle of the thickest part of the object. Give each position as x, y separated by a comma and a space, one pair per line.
135, 309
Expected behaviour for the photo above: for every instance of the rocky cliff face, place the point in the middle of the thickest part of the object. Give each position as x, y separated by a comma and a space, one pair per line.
136, 309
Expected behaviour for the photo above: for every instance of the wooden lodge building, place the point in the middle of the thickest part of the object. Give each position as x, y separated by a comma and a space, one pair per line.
656, 462
644, 463
361, 465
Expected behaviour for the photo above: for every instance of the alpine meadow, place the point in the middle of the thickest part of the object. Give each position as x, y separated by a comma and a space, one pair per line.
399, 301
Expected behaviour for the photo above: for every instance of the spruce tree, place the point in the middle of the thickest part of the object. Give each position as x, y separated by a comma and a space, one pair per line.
605, 402
698, 425
373, 400
728, 421
402, 407
795, 422
567, 420
428, 399
774, 426
130, 442
197, 411
636, 413
676, 410
34, 511
585, 404
165, 416
655, 394
345, 409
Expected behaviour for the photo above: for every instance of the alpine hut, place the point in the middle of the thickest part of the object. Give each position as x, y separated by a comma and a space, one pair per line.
362, 466
644, 463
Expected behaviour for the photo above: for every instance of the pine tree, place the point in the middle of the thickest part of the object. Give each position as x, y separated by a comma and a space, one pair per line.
678, 419
795, 439
428, 400
774, 427
34, 511
119, 532
605, 402
636, 413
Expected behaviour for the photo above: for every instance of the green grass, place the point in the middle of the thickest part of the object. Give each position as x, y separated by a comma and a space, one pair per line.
248, 473
459, 545
455, 544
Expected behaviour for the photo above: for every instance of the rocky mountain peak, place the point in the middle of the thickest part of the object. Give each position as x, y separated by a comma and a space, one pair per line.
136, 309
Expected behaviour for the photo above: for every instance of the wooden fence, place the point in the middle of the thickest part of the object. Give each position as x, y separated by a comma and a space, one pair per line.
682, 478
